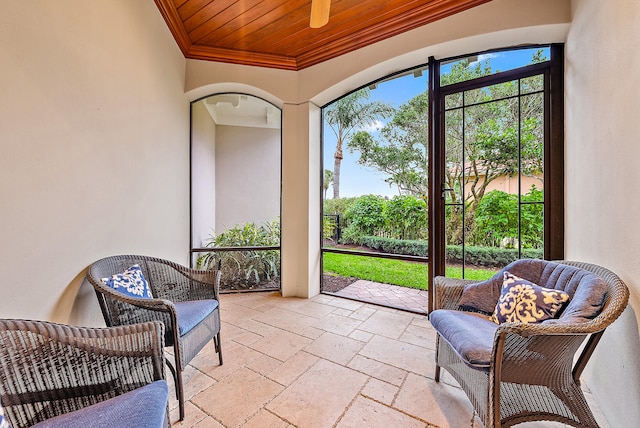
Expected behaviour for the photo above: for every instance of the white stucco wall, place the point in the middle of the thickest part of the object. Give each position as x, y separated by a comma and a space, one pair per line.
93, 148
602, 201
247, 176
203, 174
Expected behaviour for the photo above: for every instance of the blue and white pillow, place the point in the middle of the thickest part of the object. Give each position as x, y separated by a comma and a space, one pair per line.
525, 302
4, 422
130, 282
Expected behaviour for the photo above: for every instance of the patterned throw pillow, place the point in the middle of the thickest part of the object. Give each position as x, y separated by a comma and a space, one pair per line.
4, 422
130, 282
526, 302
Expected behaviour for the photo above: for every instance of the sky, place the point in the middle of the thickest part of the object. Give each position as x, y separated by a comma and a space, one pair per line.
356, 180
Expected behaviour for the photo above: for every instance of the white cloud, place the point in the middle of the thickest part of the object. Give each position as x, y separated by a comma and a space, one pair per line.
373, 126
484, 57
488, 56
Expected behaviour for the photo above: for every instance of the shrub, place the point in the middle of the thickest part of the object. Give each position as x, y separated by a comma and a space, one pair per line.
474, 255
329, 226
245, 265
406, 217
496, 218
403, 217
396, 246
338, 206
489, 256
364, 217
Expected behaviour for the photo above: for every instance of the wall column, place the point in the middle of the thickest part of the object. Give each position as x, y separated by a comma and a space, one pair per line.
300, 239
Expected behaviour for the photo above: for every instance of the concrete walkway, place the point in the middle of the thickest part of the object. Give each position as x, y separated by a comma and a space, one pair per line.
393, 296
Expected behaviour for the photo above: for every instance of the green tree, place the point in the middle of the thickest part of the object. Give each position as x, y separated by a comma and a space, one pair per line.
346, 116
500, 132
401, 151
327, 180
494, 133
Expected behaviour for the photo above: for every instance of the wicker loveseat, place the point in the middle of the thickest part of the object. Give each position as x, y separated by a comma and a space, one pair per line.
516, 372
60, 376
185, 300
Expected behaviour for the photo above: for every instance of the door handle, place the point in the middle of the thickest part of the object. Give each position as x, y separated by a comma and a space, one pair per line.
445, 189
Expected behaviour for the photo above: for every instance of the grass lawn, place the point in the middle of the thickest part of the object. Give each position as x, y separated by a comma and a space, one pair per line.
388, 271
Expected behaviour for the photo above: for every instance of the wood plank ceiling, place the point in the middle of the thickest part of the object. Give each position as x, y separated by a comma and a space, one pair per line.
276, 33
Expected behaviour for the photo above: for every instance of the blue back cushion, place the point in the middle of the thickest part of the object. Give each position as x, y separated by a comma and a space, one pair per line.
587, 291
130, 282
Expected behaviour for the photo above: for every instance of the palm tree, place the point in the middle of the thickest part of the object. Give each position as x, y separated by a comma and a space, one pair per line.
328, 179
348, 114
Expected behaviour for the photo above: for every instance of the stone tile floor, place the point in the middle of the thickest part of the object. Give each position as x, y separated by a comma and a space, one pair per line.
321, 363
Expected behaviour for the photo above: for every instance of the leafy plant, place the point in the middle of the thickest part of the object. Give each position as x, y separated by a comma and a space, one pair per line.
245, 266
396, 246
364, 217
329, 226
496, 218
338, 206
334, 217
406, 217
488, 256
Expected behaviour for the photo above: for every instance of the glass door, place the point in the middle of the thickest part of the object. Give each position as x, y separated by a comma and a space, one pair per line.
493, 177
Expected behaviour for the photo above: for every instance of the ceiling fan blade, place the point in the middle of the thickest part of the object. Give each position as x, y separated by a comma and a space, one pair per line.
319, 13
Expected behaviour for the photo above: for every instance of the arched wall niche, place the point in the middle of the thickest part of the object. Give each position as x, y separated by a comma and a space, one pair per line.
236, 153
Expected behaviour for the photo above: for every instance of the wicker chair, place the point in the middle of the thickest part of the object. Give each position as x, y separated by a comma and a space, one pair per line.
185, 300
55, 375
526, 372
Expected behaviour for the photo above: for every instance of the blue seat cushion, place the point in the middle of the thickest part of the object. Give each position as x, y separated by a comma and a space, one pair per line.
144, 407
191, 313
470, 334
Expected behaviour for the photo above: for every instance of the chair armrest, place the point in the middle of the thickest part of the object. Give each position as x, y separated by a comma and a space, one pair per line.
50, 369
120, 307
553, 327
447, 292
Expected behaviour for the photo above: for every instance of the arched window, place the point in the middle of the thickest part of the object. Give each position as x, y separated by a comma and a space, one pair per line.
453, 168
235, 189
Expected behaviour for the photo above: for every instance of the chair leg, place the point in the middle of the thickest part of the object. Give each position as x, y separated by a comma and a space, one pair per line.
180, 389
218, 346
437, 374
177, 377
174, 374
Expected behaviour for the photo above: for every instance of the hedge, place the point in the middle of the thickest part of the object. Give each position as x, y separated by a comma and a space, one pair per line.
478, 256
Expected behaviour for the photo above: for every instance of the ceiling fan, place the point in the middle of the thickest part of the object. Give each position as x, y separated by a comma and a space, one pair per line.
319, 13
